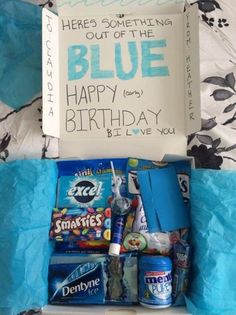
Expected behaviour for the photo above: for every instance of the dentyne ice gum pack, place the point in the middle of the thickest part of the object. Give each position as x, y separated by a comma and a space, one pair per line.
92, 279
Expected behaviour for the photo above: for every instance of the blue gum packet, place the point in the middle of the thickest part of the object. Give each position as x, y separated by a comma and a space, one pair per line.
84, 191
92, 170
78, 279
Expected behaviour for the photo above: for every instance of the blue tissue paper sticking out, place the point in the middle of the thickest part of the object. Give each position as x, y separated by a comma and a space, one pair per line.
20, 53
162, 199
213, 218
27, 194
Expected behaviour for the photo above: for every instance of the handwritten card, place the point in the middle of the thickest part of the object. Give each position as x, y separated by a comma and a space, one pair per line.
120, 82
120, 77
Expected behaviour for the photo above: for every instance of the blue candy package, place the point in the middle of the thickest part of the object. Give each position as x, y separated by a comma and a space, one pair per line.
181, 262
77, 279
85, 191
81, 224
98, 170
80, 283
91, 167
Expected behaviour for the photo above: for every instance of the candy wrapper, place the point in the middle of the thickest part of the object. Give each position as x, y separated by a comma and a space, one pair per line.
81, 224
138, 238
182, 261
84, 191
93, 279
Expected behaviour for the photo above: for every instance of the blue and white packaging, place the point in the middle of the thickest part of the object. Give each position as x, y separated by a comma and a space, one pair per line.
92, 279
84, 191
155, 281
76, 283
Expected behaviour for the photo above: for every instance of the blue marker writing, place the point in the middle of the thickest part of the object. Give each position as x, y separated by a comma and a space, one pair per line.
83, 60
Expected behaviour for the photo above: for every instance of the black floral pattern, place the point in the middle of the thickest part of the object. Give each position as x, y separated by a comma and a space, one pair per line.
205, 157
208, 153
209, 21
222, 23
226, 92
48, 3
209, 6
4, 142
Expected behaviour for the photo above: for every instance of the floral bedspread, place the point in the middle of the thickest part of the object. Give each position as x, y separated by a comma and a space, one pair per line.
213, 147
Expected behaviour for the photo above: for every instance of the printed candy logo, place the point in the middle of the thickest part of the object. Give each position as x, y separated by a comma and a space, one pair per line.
184, 185
159, 283
88, 221
76, 283
86, 191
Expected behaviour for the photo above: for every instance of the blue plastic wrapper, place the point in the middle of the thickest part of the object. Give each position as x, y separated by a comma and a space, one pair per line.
27, 194
213, 215
20, 53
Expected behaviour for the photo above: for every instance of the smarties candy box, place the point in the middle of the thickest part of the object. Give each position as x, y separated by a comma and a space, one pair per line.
93, 279
81, 224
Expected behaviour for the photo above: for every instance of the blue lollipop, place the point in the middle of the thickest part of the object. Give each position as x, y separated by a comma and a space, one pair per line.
120, 207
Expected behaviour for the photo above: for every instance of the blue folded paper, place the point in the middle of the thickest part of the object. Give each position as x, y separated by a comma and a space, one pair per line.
162, 199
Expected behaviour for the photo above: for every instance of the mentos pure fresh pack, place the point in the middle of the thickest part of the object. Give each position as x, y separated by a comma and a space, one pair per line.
136, 234
93, 279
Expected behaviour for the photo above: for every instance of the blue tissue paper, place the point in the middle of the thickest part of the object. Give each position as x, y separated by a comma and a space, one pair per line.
213, 217
162, 200
20, 53
27, 194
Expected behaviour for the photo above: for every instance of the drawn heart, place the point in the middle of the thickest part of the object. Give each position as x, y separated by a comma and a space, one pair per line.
136, 131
